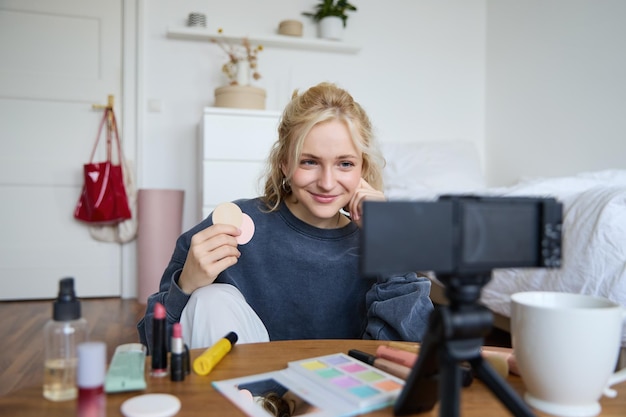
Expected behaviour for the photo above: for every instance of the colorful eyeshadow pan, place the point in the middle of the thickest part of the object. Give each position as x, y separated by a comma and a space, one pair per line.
388, 385
371, 376
312, 366
336, 360
354, 367
328, 373
363, 391
345, 382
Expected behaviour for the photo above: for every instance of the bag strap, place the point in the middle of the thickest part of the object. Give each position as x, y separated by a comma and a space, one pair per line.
109, 123
95, 145
120, 154
109, 118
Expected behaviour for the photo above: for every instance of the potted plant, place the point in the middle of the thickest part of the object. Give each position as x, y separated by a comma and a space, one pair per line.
331, 16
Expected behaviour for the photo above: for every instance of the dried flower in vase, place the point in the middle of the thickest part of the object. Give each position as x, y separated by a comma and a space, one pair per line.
237, 54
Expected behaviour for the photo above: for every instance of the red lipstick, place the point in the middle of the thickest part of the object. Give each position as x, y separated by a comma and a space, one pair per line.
159, 342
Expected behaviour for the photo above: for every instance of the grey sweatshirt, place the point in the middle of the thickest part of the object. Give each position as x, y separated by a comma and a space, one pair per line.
304, 283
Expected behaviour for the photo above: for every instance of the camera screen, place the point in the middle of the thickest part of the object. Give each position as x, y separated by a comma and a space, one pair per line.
500, 234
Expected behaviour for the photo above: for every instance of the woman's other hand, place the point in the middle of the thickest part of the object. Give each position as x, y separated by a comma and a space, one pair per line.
362, 193
212, 250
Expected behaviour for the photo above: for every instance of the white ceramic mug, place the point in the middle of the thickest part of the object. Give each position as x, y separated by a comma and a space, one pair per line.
566, 346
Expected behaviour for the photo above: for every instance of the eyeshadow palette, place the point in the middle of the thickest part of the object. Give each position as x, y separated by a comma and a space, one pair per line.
353, 380
329, 386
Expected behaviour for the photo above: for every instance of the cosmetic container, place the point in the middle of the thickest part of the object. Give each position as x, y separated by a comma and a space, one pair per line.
62, 334
90, 377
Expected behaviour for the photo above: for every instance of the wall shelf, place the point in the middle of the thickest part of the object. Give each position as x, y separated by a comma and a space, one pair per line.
280, 41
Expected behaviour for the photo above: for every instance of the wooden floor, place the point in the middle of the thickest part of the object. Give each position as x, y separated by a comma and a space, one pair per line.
112, 320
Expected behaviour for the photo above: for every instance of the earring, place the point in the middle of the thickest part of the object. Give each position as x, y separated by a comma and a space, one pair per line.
284, 185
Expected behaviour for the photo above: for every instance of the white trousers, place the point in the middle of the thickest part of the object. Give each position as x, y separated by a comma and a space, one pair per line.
214, 311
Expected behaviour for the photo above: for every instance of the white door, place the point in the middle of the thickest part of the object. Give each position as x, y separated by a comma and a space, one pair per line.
57, 58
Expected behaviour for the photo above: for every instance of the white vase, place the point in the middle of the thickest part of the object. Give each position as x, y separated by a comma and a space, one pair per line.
331, 27
243, 72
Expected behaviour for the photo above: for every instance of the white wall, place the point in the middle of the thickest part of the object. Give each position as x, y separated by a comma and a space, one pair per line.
419, 74
556, 87
538, 85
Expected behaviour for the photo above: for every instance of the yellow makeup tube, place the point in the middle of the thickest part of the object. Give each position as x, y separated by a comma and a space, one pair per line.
213, 355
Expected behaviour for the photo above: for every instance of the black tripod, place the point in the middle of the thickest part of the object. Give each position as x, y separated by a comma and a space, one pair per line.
455, 334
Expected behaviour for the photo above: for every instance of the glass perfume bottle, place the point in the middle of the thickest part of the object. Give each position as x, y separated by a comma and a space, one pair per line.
62, 334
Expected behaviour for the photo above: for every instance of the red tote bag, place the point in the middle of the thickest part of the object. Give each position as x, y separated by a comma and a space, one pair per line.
103, 199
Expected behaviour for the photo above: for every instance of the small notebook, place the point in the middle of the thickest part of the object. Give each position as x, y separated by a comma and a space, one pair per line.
327, 386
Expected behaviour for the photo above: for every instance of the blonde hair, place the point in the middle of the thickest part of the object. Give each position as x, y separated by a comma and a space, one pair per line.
321, 103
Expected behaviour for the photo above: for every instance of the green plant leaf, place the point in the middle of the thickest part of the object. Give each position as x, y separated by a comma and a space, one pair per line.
327, 8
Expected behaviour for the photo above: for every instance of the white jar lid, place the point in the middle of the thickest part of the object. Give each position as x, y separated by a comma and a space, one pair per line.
151, 405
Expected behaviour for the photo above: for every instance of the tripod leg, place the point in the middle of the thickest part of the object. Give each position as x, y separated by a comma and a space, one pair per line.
500, 388
421, 390
449, 386
436, 376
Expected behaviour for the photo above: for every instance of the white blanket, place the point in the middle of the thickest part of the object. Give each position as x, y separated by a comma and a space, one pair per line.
594, 241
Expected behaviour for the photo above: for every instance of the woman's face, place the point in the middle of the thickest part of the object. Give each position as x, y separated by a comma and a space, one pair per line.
326, 176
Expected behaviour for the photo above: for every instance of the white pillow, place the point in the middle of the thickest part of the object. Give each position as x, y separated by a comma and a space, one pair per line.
423, 170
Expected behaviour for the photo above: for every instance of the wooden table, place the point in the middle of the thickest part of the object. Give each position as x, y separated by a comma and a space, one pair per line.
199, 398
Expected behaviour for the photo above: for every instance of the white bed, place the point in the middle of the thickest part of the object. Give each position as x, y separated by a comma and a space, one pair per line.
594, 219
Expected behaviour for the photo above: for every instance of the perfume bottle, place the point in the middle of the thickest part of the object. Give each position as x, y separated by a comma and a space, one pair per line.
62, 334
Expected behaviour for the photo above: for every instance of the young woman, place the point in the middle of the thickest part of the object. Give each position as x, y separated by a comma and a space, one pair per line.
298, 278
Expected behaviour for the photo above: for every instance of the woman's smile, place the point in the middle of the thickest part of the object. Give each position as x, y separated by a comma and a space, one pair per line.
323, 198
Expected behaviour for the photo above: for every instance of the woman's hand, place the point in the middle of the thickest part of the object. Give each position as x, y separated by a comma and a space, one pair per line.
212, 250
362, 193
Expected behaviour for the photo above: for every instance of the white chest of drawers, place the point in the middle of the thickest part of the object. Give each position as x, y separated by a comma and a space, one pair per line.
234, 146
